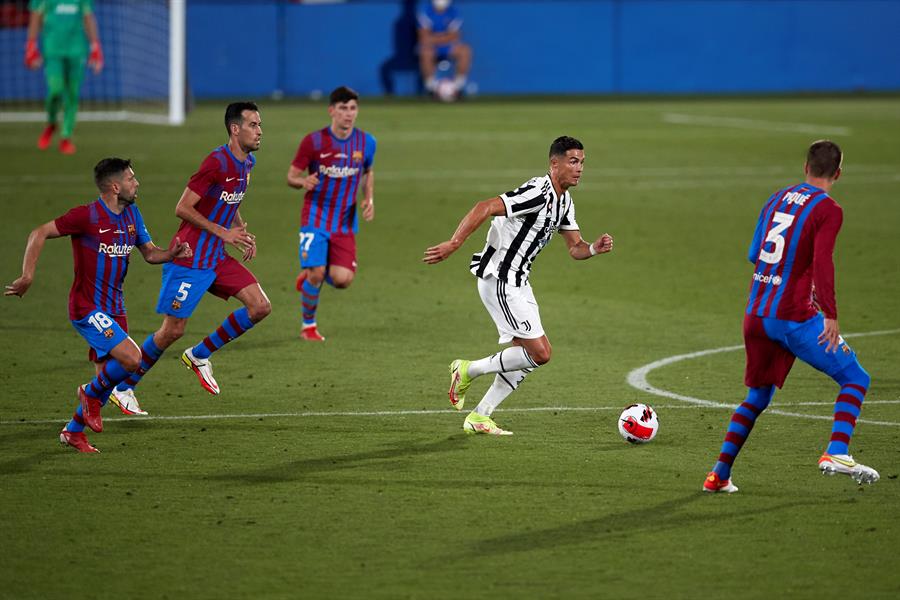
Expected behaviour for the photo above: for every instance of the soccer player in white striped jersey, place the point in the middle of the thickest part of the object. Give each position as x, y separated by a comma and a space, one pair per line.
523, 222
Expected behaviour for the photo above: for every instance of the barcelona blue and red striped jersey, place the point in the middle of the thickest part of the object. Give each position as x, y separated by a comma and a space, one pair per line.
102, 242
340, 165
221, 183
792, 250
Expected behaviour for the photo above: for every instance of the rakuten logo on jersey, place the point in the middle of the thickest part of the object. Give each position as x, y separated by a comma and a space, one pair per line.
232, 198
773, 279
338, 172
121, 250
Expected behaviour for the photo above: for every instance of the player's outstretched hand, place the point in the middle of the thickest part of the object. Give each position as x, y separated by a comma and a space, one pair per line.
180, 249
831, 335
368, 209
603, 244
239, 237
436, 254
18, 287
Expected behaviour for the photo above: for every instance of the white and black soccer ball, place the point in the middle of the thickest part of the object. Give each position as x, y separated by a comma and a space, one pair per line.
638, 423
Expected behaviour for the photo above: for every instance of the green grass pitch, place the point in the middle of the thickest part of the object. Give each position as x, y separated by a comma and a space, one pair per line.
288, 486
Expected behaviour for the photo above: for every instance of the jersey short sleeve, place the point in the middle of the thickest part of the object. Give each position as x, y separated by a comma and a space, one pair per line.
568, 223
143, 236
205, 177
527, 198
73, 222
369, 159
304, 154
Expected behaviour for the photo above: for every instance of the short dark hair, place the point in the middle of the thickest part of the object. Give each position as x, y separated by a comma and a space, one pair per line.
109, 167
234, 111
342, 94
824, 158
563, 144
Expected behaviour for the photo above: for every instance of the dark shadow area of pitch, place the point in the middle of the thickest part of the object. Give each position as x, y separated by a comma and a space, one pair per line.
299, 469
51, 449
665, 515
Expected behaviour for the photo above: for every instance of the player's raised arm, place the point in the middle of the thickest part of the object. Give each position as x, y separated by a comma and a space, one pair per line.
579, 249
32, 252
186, 209
493, 207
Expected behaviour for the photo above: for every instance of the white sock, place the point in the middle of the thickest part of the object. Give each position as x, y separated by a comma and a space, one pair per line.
504, 385
459, 82
508, 359
431, 83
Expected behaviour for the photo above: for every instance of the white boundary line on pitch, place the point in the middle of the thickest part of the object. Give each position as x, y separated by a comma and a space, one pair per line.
754, 124
638, 380
307, 414
390, 413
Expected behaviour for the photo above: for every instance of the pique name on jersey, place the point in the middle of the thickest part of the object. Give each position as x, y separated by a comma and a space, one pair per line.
121, 250
797, 198
338, 172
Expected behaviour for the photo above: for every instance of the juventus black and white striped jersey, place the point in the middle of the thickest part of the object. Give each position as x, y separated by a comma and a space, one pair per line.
533, 214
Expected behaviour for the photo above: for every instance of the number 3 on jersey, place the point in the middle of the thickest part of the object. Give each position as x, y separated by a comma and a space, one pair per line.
781, 222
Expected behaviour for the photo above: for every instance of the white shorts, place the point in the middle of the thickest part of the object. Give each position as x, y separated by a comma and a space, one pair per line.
513, 309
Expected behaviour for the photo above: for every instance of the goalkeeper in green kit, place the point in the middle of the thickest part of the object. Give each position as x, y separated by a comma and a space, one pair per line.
68, 27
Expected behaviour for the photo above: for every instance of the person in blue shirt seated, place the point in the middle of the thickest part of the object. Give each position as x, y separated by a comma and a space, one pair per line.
439, 39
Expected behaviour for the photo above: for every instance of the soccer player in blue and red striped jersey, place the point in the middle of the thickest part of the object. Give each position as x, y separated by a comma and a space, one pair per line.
338, 158
792, 313
210, 211
103, 235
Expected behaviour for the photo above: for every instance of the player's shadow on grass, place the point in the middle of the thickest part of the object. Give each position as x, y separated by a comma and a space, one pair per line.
24, 464
299, 469
665, 515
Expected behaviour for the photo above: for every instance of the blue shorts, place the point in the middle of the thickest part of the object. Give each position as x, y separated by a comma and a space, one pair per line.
313, 249
183, 287
772, 344
102, 332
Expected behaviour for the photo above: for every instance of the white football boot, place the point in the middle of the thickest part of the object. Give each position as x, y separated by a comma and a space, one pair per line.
203, 368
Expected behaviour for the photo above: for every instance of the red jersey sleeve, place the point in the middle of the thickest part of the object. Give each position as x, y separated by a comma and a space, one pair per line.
205, 176
304, 154
74, 221
828, 225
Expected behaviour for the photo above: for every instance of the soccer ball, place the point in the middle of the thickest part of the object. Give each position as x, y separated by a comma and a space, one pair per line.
446, 90
638, 423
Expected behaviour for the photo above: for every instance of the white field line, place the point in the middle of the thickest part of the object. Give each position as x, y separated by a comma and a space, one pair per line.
396, 413
638, 380
755, 124
326, 414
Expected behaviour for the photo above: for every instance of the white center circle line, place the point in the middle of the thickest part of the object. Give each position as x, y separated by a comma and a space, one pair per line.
638, 380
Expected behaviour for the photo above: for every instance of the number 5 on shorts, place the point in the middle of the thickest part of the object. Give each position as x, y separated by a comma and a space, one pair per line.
182, 294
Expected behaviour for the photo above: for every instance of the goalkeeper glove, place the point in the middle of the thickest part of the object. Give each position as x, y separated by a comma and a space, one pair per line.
95, 59
32, 54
